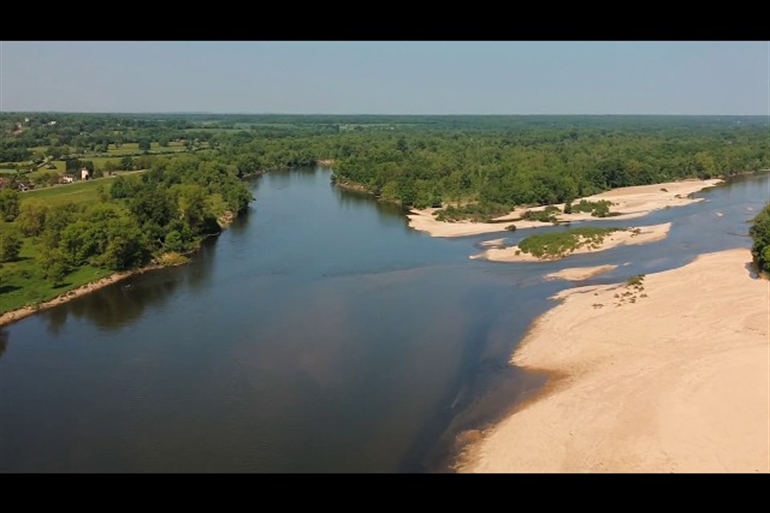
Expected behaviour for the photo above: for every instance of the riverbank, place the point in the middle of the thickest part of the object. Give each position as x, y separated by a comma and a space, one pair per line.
163, 261
623, 237
669, 374
20, 313
628, 202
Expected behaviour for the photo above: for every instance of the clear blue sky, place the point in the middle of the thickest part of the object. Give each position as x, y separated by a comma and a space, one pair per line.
388, 77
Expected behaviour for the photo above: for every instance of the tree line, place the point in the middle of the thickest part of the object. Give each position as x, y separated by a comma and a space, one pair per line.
480, 165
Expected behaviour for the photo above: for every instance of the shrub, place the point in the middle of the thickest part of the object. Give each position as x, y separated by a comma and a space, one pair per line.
635, 281
559, 244
760, 232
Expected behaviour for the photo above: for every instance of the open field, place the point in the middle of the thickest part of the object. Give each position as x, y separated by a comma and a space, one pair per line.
79, 192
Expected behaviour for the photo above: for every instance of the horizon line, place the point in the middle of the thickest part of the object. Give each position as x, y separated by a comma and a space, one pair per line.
214, 113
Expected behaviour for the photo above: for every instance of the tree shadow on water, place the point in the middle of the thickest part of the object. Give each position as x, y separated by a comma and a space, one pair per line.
3, 341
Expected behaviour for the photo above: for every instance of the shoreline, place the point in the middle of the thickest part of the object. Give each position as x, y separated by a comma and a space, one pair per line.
25, 311
644, 378
11, 316
623, 237
630, 202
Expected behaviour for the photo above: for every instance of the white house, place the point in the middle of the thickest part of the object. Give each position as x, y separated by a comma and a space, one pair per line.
84, 174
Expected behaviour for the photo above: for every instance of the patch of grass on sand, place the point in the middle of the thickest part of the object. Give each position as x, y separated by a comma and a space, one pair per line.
559, 244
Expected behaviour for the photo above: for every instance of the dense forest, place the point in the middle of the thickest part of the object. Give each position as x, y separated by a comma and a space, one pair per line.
159, 183
540, 165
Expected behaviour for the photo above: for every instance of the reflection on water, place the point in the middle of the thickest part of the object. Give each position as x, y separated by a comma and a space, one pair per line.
126, 301
3, 340
318, 334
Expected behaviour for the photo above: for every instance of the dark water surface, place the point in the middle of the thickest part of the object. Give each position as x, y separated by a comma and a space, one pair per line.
318, 334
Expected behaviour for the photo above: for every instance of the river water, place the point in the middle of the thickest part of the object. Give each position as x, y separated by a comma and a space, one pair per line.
317, 334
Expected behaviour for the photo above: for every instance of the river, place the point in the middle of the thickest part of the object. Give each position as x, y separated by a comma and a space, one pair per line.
317, 334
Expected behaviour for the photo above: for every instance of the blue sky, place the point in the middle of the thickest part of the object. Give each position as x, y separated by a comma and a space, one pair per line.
720, 78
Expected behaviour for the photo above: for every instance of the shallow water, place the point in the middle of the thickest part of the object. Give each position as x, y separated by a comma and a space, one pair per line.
318, 334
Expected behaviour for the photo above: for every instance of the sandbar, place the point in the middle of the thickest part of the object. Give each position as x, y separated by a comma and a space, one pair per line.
629, 202
580, 273
675, 380
623, 237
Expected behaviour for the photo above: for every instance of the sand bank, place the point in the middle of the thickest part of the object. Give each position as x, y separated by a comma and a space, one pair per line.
630, 202
627, 236
676, 379
580, 273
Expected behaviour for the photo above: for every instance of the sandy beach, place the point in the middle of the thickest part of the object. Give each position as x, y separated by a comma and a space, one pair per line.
672, 375
630, 202
632, 235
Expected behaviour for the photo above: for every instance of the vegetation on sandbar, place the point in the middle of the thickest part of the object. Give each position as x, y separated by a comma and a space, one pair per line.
559, 244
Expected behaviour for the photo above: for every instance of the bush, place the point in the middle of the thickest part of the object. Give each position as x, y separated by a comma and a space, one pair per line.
559, 244
476, 212
599, 208
548, 215
760, 232
171, 259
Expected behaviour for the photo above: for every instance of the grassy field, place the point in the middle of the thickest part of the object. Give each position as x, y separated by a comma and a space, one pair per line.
61, 167
100, 161
79, 192
21, 284
132, 148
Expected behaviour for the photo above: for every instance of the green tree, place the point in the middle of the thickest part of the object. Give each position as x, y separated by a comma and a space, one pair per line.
760, 232
31, 219
53, 267
126, 163
125, 247
10, 242
174, 242
152, 204
191, 206
9, 204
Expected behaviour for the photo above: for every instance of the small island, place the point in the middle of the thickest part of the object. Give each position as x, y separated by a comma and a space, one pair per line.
558, 245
